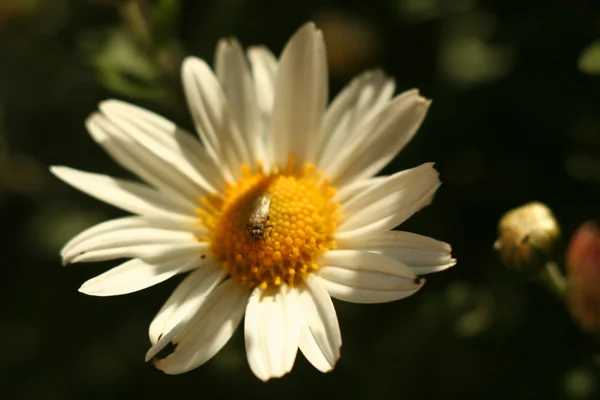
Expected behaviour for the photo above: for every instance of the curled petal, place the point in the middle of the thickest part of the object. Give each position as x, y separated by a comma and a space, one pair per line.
320, 337
208, 331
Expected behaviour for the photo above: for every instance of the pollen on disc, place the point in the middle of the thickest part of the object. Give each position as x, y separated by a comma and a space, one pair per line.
270, 228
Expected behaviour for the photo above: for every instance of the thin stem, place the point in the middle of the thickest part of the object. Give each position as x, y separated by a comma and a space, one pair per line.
554, 279
136, 19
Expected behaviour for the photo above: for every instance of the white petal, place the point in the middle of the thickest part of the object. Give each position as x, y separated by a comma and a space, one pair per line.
355, 188
320, 337
364, 97
311, 350
163, 139
389, 203
364, 261
105, 227
191, 289
127, 195
125, 224
233, 72
390, 196
264, 70
384, 135
272, 331
208, 331
156, 169
128, 237
300, 96
210, 111
135, 275
183, 304
364, 277
361, 295
375, 94
422, 254
368, 279
152, 253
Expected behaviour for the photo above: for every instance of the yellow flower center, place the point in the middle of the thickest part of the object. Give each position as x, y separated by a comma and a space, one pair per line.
274, 241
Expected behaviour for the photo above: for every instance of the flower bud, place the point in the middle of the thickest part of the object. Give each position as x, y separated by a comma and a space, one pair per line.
583, 275
527, 237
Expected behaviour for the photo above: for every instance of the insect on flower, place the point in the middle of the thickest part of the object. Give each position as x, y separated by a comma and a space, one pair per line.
259, 214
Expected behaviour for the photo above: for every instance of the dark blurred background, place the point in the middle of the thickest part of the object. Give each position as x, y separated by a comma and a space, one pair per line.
515, 118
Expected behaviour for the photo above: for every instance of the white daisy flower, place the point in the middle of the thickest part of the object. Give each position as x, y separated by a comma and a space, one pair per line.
273, 213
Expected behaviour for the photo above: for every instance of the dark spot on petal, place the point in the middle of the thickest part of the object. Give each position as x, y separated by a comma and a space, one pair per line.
165, 352
419, 280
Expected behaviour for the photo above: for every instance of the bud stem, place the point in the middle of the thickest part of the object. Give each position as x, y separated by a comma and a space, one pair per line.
552, 277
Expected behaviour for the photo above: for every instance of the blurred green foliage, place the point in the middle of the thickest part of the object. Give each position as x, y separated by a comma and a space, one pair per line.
123, 67
589, 60
515, 118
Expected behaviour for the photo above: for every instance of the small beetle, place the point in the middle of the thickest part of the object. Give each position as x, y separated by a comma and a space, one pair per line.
259, 214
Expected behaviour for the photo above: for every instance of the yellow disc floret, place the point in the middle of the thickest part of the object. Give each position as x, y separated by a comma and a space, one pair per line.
295, 228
